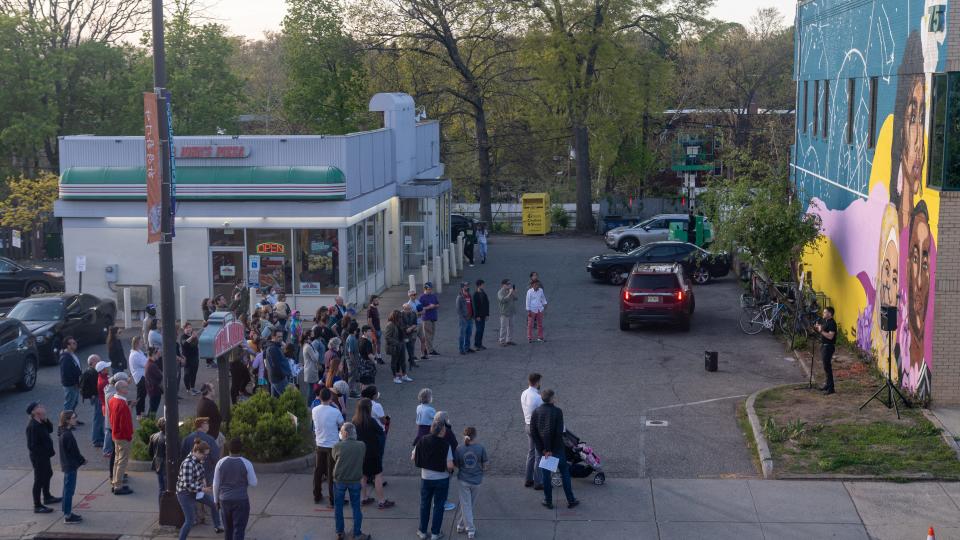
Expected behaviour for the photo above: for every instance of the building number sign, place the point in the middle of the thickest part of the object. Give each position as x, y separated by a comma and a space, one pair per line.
270, 247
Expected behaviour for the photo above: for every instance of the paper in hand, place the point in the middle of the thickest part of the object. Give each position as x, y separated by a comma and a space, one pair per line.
549, 463
199, 495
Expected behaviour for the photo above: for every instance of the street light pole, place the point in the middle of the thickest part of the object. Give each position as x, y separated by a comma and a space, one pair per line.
170, 512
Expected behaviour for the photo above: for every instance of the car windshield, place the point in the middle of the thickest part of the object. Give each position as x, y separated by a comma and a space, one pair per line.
34, 310
639, 251
653, 282
643, 224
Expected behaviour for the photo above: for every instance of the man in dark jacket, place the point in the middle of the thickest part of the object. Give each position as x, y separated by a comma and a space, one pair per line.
278, 368
40, 445
70, 372
481, 310
546, 428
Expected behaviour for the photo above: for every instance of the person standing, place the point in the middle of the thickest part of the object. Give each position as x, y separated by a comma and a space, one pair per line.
157, 449
366, 365
408, 324
118, 358
373, 320
482, 235
201, 432
231, 478
370, 433
471, 461
546, 426
138, 366
70, 372
536, 305
326, 427
529, 401
192, 487
465, 313
153, 382
432, 455
507, 298
481, 310
691, 228
278, 368
332, 363
207, 408
828, 340
121, 424
190, 348
393, 338
348, 456
149, 315
155, 336
70, 461
40, 446
88, 393
110, 390
468, 243
310, 358
431, 312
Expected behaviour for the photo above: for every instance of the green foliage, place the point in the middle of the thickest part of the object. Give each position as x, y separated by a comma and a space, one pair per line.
326, 91
29, 201
266, 429
756, 216
559, 216
140, 449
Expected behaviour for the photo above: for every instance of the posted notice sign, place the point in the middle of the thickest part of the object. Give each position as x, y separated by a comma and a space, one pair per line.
81, 263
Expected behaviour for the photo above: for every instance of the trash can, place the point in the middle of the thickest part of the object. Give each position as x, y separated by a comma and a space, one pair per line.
710, 360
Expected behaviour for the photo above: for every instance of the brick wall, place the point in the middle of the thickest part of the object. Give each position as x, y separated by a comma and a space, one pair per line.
945, 380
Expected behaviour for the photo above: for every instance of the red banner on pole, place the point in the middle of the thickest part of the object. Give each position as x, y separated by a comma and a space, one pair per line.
230, 336
154, 165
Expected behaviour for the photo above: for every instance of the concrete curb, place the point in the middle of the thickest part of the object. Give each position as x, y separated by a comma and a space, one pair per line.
295, 465
944, 432
766, 460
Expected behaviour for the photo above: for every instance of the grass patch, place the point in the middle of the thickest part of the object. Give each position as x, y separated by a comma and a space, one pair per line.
743, 422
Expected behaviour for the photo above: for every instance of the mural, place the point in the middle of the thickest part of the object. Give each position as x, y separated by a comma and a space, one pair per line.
880, 221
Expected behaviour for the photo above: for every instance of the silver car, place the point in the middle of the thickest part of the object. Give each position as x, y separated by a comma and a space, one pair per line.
654, 229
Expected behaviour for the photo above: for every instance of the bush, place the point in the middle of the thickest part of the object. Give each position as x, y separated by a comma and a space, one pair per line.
559, 216
266, 429
140, 449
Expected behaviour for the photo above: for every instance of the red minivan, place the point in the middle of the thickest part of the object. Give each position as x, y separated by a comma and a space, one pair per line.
656, 293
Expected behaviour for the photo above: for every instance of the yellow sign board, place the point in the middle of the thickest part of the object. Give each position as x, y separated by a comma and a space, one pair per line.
536, 213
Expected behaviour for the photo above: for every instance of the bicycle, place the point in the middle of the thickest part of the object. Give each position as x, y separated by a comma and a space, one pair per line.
754, 319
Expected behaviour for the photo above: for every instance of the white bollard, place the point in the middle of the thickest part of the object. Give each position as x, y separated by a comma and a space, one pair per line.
445, 266
460, 251
342, 293
454, 269
424, 273
254, 299
413, 282
183, 305
127, 309
437, 274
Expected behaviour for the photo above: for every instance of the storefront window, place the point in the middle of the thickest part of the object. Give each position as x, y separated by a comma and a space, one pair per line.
361, 250
269, 259
226, 237
380, 252
371, 239
317, 261
351, 258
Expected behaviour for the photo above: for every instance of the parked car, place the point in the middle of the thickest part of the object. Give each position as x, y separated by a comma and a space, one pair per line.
656, 293
655, 229
18, 281
18, 356
460, 223
50, 317
699, 264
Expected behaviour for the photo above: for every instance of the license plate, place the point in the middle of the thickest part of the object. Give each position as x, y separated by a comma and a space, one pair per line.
653, 299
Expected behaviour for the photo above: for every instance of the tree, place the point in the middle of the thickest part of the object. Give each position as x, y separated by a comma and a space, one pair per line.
578, 45
468, 43
757, 216
326, 87
266, 83
29, 203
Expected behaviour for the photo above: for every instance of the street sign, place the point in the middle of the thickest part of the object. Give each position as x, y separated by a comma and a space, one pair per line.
81, 263
15, 237
228, 337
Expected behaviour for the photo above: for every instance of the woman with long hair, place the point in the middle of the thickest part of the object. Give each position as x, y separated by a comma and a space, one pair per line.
370, 432
311, 362
70, 461
206, 308
393, 338
118, 358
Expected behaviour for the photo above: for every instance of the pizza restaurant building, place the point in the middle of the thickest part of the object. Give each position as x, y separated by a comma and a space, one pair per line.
313, 216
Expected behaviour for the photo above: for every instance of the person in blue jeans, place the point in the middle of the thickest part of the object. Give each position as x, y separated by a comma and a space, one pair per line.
70, 461
465, 313
348, 456
192, 488
546, 429
433, 456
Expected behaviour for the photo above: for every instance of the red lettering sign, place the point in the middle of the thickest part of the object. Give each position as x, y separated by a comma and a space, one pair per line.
230, 152
212, 151
228, 337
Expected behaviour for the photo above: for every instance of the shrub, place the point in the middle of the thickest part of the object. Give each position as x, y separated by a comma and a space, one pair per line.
266, 429
140, 449
559, 216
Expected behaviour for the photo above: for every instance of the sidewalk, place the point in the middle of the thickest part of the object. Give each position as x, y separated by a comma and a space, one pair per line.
281, 509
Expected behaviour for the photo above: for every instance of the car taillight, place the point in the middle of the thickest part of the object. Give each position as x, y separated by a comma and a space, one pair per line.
626, 294
679, 296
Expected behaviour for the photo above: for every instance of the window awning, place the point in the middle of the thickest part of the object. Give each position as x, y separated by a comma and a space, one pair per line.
200, 183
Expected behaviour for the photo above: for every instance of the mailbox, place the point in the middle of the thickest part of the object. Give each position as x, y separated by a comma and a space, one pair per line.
221, 334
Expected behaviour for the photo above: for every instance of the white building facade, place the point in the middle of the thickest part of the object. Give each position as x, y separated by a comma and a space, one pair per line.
313, 216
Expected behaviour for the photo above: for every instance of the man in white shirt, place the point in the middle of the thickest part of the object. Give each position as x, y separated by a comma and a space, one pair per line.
326, 426
529, 401
536, 304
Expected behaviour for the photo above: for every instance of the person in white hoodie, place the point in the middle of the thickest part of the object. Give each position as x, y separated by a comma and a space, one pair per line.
536, 304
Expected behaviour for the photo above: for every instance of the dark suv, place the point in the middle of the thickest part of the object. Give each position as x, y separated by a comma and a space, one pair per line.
51, 317
18, 356
18, 281
656, 293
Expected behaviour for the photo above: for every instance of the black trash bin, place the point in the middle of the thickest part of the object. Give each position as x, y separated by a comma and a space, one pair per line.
710, 360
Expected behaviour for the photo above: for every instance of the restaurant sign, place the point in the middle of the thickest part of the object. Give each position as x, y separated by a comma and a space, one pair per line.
212, 151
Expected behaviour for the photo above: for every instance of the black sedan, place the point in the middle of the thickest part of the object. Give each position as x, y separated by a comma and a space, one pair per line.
698, 263
51, 317
18, 281
18, 356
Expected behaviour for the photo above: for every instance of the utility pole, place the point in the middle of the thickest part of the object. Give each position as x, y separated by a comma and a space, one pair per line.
170, 512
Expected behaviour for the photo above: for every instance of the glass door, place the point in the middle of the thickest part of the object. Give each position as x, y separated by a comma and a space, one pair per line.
414, 247
226, 267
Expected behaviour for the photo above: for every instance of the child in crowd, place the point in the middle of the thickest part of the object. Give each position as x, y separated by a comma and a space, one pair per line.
425, 413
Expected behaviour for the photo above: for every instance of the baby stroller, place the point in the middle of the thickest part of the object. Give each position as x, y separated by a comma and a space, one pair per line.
581, 459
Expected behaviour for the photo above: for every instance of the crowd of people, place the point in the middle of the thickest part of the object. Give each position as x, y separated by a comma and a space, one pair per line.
333, 360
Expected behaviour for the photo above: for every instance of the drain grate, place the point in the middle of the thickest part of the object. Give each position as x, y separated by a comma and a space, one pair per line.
657, 423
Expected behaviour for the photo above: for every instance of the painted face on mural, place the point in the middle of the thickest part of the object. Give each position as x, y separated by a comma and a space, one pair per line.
920, 240
912, 156
889, 275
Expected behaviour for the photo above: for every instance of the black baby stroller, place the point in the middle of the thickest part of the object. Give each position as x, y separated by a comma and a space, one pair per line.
581, 459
